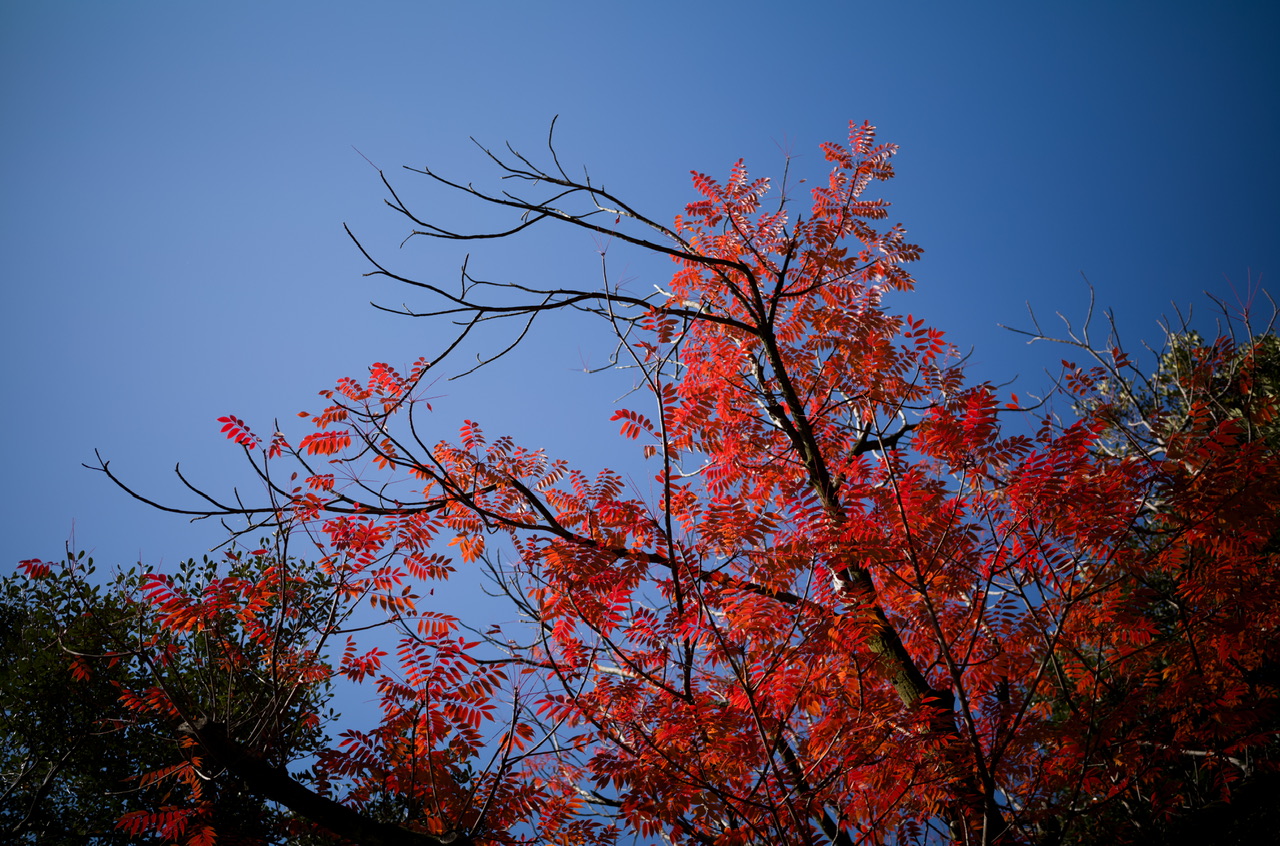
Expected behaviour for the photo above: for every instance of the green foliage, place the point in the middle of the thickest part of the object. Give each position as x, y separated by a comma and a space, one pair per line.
68, 755
79, 754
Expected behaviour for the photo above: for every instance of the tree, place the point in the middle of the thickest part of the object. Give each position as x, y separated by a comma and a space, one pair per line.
65, 766
105, 765
1200, 390
867, 601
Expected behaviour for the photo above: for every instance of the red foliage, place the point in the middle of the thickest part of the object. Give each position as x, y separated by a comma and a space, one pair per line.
238, 431
857, 607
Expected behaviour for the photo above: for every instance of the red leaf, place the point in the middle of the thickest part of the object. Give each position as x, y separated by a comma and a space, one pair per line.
238, 431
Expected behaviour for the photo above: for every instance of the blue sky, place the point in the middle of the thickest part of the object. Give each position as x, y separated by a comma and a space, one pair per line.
175, 177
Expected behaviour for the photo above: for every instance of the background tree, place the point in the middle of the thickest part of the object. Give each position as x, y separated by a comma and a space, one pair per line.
849, 608
104, 764
69, 769
1199, 609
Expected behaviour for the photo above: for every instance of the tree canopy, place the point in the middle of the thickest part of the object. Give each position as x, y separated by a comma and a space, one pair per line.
863, 599
66, 767
93, 752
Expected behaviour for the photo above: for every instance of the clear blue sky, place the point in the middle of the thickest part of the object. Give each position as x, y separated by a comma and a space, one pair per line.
175, 177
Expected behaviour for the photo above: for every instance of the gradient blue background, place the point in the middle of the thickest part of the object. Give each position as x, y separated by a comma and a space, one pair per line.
174, 178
